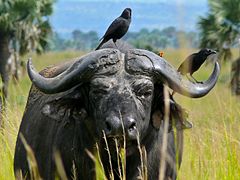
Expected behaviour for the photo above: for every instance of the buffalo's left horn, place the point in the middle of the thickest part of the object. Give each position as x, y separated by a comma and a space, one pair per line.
145, 62
80, 71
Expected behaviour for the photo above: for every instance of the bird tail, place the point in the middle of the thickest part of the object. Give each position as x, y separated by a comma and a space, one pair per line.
101, 43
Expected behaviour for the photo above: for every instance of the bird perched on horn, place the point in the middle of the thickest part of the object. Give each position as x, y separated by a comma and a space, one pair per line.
193, 62
118, 28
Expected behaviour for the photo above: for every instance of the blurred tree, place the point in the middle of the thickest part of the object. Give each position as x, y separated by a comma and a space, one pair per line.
84, 41
56, 43
169, 31
77, 38
160, 39
146, 39
24, 26
220, 29
92, 39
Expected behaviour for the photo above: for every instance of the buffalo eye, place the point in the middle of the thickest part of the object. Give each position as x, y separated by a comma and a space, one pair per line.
208, 52
144, 94
143, 91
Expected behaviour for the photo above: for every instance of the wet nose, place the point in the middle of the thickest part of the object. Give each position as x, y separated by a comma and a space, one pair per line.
131, 129
113, 127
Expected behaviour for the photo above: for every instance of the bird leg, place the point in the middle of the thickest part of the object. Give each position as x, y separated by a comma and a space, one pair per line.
115, 42
193, 80
196, 80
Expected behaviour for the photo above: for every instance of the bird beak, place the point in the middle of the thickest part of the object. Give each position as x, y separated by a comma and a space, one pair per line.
213, 52
213, 56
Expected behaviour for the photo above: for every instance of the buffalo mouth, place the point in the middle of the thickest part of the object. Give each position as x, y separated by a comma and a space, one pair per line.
131, 148
116, 145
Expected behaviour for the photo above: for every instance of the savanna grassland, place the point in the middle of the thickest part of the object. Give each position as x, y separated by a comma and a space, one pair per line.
211, 147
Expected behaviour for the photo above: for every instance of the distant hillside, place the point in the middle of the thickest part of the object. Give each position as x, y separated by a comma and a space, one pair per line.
97, 16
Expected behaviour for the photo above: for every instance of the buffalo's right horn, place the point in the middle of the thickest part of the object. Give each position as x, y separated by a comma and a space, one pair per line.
80, 71
145, 62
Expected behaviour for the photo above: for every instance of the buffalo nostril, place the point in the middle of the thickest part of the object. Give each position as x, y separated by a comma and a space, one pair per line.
132, 127
113, 126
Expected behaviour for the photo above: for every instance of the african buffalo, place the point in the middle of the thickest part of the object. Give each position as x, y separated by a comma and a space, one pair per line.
115, 90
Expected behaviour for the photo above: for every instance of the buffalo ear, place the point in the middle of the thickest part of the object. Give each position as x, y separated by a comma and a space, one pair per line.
157, 118
67, 105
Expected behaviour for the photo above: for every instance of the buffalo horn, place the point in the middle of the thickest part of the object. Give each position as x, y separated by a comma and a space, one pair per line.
80, 71
146, 62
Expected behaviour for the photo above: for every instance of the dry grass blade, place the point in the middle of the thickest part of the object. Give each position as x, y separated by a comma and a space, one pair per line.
59, 165
179, 147
6, 159
145, 164
109, 156
99, 159
74, 171
32, 163
123, 152
100, 174
18, 175
118, 159
143, 159
1, 112
165, 134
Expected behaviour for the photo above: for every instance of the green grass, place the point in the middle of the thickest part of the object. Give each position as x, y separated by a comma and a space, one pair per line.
211, 147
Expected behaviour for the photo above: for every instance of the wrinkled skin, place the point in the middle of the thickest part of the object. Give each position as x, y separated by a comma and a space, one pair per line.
129, 100
125, 98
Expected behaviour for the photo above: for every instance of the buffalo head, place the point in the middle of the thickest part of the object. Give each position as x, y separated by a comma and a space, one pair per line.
121, 86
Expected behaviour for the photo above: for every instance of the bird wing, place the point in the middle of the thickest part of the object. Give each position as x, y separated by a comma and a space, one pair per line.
113, 27
190, 58
184, 67
110, 31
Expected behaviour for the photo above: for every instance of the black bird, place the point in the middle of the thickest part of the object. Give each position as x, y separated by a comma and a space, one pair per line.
193, 62
118, 28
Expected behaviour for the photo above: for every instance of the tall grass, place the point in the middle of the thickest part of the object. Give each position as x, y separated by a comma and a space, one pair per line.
211, 147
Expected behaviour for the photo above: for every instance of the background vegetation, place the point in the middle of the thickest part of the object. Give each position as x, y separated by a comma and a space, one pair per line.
24, 27
168, 37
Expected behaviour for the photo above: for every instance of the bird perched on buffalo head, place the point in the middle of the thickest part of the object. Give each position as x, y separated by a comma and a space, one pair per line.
118, 28
193, 62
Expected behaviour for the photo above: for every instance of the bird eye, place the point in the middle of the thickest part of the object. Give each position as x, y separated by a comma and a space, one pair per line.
208, 52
